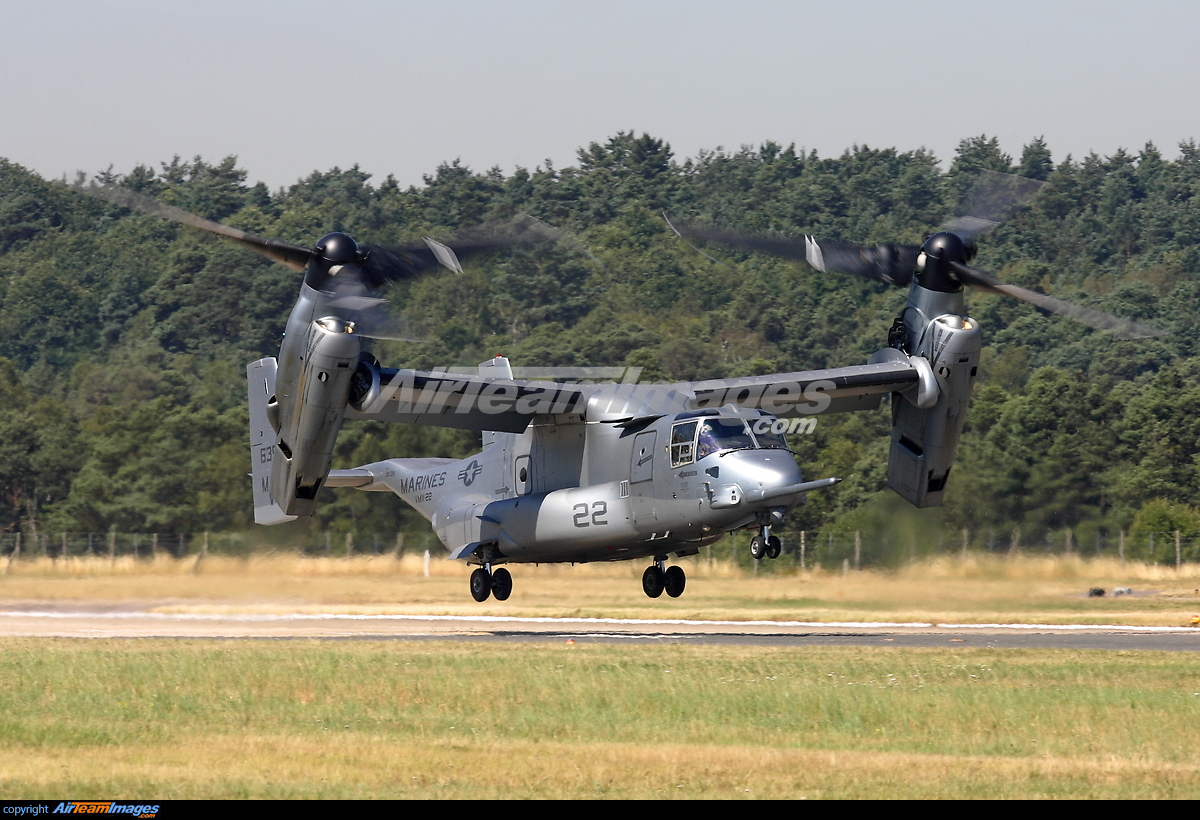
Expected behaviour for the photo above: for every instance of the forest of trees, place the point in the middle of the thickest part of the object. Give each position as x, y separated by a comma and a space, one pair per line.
124, 337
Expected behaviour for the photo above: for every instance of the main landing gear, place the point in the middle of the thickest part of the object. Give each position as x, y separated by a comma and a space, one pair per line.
765, 545
485, 582
656, 579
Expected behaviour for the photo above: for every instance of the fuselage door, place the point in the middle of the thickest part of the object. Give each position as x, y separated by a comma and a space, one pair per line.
641, 467
522, 475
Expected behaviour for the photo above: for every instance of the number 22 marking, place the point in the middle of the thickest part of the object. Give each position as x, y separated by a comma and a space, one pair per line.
598, 509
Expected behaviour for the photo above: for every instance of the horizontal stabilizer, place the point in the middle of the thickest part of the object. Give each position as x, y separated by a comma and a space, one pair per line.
348, 478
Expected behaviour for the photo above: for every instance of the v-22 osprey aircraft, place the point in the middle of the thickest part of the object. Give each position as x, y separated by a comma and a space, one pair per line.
580, 472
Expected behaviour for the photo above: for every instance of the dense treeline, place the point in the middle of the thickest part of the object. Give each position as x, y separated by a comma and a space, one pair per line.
124, 337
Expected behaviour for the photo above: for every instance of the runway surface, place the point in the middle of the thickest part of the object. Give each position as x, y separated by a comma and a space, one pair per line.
81, 621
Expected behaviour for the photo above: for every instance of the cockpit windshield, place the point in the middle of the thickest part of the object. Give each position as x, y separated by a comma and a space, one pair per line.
769, 434
722, 434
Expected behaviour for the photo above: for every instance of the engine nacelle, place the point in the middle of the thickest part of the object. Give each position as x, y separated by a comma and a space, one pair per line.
925, 432
312, 406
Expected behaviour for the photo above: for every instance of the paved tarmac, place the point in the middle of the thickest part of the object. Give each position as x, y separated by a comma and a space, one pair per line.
133, 621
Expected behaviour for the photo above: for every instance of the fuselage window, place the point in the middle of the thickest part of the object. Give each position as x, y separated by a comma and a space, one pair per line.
683, 437
722, 434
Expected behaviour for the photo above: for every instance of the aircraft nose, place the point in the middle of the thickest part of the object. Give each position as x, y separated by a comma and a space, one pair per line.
759, 471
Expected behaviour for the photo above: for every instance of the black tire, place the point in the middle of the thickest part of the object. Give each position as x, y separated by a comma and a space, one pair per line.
501, 584
758, 547
652, 581
481, 585
674, 581
774, 547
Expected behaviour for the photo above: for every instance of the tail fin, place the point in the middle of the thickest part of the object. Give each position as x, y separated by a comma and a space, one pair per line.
260, 384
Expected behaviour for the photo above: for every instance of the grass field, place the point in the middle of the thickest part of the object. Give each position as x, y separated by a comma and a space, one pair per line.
949, 590
289, 719
298, 718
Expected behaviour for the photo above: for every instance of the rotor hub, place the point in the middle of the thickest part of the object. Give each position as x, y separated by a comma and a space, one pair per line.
332, 254
337, 249
934, 265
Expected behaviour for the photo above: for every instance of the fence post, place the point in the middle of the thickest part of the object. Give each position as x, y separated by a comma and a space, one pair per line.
857, 550
112, 545
65, 551
1178, 559
802, 548
966, 534
399, 548
349, 544
154, 546
1121, 547
1068, 541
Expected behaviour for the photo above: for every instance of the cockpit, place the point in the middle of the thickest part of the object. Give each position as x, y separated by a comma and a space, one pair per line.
695, 438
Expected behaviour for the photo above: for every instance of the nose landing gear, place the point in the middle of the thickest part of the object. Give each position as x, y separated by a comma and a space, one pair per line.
485, 582
656, 579
765, 545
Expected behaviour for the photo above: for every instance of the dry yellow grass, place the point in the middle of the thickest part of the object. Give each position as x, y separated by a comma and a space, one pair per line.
979, 589
277, 766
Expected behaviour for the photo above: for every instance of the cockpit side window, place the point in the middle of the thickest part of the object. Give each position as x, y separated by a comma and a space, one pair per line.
683, 438
722, 434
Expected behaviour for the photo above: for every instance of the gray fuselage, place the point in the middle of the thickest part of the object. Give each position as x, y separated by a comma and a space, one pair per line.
601, 491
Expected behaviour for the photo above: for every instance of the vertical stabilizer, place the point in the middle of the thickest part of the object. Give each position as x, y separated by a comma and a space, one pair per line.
497, 368
260, 385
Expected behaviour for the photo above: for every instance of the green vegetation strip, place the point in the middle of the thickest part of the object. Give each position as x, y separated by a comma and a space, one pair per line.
261, 718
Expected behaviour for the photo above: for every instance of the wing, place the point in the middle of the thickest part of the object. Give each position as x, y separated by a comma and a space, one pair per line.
467, 402
813, 392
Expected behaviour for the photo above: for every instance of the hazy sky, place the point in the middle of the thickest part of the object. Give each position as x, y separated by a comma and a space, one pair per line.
399, 87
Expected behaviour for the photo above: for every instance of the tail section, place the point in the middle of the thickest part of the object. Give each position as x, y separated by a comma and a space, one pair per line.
260, 382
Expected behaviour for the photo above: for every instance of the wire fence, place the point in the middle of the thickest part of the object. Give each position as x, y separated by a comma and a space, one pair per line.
805, 549
860, 549
179, 545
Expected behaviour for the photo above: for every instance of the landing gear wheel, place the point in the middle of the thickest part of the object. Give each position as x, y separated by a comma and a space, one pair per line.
652, 581
758, 547
774, 547
501, 584
481, 585
674, 580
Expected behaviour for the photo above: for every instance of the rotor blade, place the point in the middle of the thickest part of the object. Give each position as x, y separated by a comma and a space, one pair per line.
993, 198
368, 313
675, 231
391, 264
890, 263
386, 264
444, 255
285, 253
352, 303
528, 229
376, 322
1124, 328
